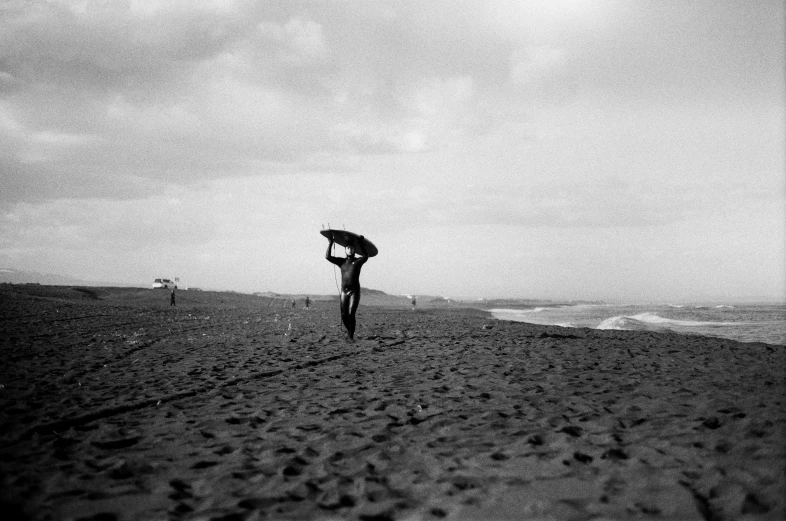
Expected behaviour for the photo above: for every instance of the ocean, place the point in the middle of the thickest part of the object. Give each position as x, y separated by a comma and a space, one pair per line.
741, 322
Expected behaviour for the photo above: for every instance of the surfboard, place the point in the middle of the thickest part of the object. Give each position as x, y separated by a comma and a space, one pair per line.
345, 238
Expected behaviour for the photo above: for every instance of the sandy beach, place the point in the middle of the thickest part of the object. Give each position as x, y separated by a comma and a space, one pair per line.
116, 406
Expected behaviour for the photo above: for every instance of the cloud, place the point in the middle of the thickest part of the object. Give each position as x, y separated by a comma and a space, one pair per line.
429, 114
7, 81
300, 41
177, 92
605, 202
658, 54
530, 64
94, 37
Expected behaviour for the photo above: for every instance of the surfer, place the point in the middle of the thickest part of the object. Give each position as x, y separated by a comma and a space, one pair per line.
350, 281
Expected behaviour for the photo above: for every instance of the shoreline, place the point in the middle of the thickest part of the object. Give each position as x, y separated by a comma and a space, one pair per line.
687, 333
744, 323
116, 406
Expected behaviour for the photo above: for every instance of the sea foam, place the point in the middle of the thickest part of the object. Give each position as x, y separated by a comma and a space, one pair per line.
749, 323
642, 320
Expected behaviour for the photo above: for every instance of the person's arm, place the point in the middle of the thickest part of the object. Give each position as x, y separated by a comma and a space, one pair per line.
329, 257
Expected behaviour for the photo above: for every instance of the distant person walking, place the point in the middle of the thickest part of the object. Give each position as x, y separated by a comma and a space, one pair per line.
349, 297
308, 301
172, 298
414, 303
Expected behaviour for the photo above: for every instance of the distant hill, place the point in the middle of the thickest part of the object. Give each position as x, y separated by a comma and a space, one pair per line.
369, 297
269, 294
13, 276
375, 297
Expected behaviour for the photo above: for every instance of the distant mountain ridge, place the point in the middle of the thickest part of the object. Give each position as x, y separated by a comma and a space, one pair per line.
14, 276
373, 297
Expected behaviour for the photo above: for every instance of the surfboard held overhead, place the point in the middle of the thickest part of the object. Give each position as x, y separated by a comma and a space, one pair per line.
345, 238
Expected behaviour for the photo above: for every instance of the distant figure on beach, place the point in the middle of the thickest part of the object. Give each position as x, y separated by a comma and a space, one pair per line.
172, 298
308, 301
350, 282
293, 304
414, 303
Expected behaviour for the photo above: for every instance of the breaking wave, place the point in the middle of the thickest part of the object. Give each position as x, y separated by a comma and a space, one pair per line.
748, 323
519, 311
654, 321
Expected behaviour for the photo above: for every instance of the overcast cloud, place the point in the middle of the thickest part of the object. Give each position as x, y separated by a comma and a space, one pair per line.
556, 148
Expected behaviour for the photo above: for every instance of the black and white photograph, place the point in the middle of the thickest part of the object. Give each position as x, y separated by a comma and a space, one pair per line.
392, 260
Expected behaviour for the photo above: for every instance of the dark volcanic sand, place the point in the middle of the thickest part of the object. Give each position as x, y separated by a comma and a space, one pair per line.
230, 407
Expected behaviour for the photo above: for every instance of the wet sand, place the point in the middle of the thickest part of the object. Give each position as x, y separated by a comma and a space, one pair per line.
229, 407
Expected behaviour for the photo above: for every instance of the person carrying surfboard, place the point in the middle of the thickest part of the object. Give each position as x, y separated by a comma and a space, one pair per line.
350, 280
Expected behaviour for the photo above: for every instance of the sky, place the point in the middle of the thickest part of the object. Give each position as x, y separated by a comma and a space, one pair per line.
561, 149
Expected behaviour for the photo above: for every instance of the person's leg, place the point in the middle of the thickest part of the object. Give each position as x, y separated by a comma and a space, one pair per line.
344, 302
354, 300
